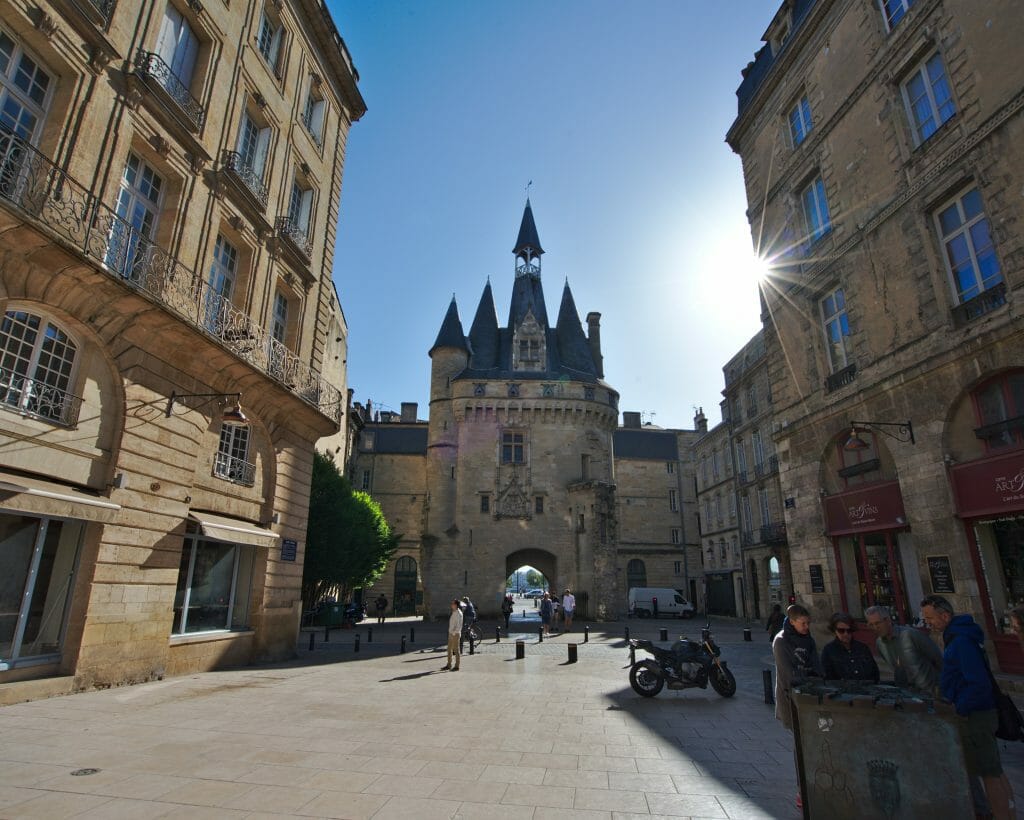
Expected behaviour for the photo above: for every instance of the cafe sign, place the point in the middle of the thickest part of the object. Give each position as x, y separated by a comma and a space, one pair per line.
988, 486
867, 508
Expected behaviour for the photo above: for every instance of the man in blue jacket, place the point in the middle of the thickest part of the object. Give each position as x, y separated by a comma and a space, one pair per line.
967, 684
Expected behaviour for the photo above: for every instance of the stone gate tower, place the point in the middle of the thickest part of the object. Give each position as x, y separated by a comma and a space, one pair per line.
519, 449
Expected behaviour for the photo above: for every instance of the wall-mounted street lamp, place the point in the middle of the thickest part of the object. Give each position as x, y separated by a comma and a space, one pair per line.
904, 432
232, 412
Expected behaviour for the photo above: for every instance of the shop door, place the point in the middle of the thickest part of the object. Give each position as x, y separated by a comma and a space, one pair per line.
404, 602
879, 575
721, 600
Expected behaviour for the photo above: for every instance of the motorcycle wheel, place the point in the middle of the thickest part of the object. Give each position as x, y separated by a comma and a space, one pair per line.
475, 633
723, 681
646, 680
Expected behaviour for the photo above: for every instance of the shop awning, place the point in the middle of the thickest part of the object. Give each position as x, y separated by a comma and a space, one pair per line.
222, 528
37, 496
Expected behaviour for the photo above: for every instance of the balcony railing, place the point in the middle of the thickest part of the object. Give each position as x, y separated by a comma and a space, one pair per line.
151, 66
841, 378
30, 397
233, 162
234, 470
1001, 433
767, 467
981, 304
98, 10
773, 534
291, 230
35, 186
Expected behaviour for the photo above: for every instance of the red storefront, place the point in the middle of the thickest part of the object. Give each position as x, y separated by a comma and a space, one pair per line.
989, 498
874, 558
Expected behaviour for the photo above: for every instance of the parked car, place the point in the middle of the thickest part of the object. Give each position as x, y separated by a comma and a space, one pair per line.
534, 593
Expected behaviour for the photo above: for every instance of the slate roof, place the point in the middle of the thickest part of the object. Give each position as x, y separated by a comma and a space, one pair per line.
528, 234
451, 333
650, 444
398, 439
484, 337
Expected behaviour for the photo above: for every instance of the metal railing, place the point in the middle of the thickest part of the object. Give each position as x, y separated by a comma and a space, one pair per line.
30, 397
767, 467
234, 162
151, 66
981, 304
773, 534
103, 10
32, 183
235, 470
291, 230
841, 378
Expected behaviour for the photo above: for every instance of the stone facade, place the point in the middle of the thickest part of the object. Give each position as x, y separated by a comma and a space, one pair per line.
170, 176
881, 147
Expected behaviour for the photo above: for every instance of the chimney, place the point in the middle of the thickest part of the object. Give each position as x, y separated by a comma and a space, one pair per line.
594, 337
700, 421
409, 409
630, 420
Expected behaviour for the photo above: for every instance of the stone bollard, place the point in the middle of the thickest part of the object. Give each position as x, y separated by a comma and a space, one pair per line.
327, 633
357, 644
497, 634
520, 650
769, 696
663, 635
401, 650
412, 634
312, 639
746, 635
369, 634
572, 653
586, 634
540, 634
524, 613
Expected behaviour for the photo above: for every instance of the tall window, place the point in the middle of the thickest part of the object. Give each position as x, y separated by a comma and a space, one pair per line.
636, 573
677, 567
704, 470
837, 328
673, 501
999, 404
232, 462
269, 38
24, 87
746, 519
220, 284
670, 467
893, 11
816, 216
253, 145
714, 463
279, 321
758, 445
766, 513
513, 448
365, 485
707, 513
313, 114
800, 121
741, 456
177, 46
214, 583
138, 208
300, 206
36, 362
732, 507
674, 535
967, 242
718, 509
928, 97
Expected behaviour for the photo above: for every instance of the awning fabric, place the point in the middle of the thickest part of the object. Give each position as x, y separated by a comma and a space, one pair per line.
38, 496
221, 528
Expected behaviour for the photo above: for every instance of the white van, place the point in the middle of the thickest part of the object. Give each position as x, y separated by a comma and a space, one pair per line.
670, 602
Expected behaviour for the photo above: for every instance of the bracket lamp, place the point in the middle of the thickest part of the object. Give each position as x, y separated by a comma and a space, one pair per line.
904, 432
232, 412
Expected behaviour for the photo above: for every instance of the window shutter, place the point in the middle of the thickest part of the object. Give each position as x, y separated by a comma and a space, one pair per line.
185, 59
305, 207
316, 120
259, 162
275, 47
167, 44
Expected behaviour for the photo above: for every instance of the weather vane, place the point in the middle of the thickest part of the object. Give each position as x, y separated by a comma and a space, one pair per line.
528, 184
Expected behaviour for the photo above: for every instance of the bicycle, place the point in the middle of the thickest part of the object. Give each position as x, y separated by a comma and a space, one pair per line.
472, 631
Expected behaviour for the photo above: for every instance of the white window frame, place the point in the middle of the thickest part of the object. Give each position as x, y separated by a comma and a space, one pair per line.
939, 111
835, 320
366, 481
279, 317
270, 41
24, 69
253, 144
178, 46
40, 384
674, 535
758, 446
965, 231
243, 561
314, 114
814, 205
232, 459
741, 456
138, 212
300, 206
800, 121
893, 11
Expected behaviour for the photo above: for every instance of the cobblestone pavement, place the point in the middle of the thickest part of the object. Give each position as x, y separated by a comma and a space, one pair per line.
381, 734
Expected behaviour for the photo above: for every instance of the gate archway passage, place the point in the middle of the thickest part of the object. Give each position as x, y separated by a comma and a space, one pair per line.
541, 560
404, 601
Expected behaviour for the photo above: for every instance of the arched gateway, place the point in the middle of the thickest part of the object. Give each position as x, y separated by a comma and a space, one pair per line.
542, 561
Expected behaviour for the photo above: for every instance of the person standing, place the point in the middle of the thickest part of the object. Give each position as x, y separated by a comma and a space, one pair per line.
382, 604
775, 621
546, 610
846, 658
568, 608
454, 634
506, 610
966, 682
916, 659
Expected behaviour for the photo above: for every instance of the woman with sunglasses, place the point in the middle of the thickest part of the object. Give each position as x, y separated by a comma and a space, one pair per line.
846, 658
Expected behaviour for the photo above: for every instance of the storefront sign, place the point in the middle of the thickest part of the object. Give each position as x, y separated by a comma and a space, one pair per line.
941, 574
289, 550
870, 508
989, 485
817, 578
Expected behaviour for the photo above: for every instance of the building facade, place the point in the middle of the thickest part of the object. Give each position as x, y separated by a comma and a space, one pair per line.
170, 176
881, 147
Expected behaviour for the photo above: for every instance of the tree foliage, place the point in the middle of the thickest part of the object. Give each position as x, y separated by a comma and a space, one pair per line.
534, 578
348, 540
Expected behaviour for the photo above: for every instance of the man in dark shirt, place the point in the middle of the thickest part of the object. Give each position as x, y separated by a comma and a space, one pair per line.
846, 658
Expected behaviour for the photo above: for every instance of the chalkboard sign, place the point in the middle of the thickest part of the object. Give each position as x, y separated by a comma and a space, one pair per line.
817, 578
941, 574
289, 549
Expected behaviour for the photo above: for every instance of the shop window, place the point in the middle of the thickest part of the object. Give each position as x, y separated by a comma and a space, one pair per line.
232, 460
874, 558
214, 584
513, 447
37, 361
999, 408
38, 562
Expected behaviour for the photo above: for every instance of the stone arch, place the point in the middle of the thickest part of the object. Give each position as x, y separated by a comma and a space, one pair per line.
542, 560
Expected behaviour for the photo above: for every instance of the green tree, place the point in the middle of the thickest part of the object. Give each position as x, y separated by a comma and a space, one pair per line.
348, 540
534, 578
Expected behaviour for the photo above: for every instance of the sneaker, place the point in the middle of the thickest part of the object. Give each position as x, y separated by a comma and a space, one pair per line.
455, 669
446, 668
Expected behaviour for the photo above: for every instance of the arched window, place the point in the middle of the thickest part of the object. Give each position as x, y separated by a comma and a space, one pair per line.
37, 359
999, 405
636, 574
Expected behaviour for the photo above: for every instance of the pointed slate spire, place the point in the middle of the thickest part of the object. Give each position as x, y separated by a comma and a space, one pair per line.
528, 243
573, 346
484, 339
451, 334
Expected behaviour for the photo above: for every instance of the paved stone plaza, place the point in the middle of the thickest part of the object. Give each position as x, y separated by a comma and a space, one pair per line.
386, 735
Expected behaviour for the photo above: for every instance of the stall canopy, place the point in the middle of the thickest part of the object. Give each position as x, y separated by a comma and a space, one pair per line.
221, 528
37, 496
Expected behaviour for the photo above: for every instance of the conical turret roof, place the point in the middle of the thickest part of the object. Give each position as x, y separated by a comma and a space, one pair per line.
528, 239
484, 338
451, 333
573, 347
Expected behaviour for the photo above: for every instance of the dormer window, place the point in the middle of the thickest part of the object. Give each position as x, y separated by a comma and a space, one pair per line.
529, 350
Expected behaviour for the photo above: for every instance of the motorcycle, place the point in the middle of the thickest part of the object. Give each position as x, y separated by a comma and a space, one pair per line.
354, 613
685, 665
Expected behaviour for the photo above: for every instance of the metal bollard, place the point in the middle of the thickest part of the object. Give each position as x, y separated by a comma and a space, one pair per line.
769, 696
357, 643
402, 649
540, 634
520, 650
327, 633
632, 655
312, 638
572, 653
369, 634
663, 634
412, 634
524, 613
472, 644
586, 634
746, 635
627, 633
497, 634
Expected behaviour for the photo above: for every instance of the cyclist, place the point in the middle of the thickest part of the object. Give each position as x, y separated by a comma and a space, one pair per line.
468, 615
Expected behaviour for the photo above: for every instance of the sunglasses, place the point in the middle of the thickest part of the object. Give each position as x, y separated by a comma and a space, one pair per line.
843, 629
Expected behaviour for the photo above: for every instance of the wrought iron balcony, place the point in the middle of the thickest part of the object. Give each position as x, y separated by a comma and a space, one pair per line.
841, 378
1001, 433
234, 470
981, 304
294, 233
773, 534
151, 67
767, 467
32, 184
30, 397
233, 162
749, 537
99, 11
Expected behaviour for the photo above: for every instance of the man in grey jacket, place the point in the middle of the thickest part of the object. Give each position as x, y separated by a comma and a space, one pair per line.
915, 658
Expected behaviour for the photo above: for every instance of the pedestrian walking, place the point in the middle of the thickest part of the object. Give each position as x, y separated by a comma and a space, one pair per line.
966, 682
546, 610
382, 604
846, 658
915, 659
454, 634
506, 610
775, 621
568, 608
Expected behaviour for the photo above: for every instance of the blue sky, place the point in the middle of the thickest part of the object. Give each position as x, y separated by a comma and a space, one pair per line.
617, 112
